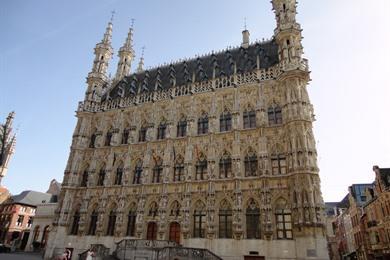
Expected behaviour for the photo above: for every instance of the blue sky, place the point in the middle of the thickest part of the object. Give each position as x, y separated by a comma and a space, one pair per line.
46, 52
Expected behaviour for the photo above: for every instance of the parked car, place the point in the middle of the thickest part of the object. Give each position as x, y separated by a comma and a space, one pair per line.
4, 248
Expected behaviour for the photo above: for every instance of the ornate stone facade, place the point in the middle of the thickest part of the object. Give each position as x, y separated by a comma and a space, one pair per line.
215, 152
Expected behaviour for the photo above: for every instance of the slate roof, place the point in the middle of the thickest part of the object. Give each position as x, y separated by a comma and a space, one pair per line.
197, 69
31, 198
385, 176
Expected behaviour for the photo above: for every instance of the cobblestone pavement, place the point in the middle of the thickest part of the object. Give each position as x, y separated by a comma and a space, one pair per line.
20, 256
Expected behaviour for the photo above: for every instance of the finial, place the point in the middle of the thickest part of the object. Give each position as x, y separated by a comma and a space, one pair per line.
245, 23
112, 16
141, 61
132, 23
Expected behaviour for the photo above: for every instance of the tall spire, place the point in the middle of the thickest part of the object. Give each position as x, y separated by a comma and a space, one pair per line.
126, 55
7, 144
97, 78
141, 61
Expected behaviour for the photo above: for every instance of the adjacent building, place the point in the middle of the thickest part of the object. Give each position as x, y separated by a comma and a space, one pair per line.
16, 217
43, 220
214, 152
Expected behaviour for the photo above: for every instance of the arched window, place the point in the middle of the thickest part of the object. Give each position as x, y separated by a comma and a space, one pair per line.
225, 220
153, 209
175, 209
182, 128
93, 223
252, 221
250, 165
249, 119
131, 218
142, 134
125, 136
279, 165
84, 178
201, 169
101, 176
283, 220
92, 141
118, 175
36, 233
225, 122
178, 171
45, 235
199, 220
161, 131
111, 223
225, 167
157, 171
137, 173
275, 115
203, 125
151, 233
108, 138
174, 232
75, 223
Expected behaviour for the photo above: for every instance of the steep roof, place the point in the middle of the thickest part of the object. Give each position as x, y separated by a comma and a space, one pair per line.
31, 198
385, 176
198, 69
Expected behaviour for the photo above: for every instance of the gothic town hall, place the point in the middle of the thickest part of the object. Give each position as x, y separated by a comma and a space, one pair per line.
212, 157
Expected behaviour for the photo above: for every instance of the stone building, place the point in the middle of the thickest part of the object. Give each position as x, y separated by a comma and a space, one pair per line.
215, 152
43, 219
16, 217
377, 211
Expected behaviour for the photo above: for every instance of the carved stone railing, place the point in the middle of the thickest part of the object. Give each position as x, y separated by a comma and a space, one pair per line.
99, 252
255, 76
170, 253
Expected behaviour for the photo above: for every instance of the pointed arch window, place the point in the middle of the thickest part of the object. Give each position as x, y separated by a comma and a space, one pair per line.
161, 131
157, 172
283, 221
118, 175
108, 138
279, 165
125, 136
199, 221
75, 223
142, 134
225, 167
84, 179
137, 173
251, 165
201, 169
225, 122
249, 119
252, 221
203, 125
131, 218
101, 177
182, 128
275, 115
93, 223
111, 223
178, 171
92, 142
225, 220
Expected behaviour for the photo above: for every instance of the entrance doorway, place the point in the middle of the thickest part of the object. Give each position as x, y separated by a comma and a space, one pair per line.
151, 233
174, 232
